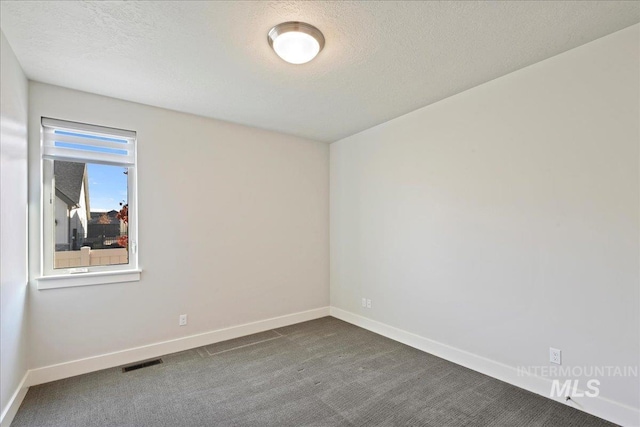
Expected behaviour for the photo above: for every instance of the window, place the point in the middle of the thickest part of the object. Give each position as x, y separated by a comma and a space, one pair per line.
89, 209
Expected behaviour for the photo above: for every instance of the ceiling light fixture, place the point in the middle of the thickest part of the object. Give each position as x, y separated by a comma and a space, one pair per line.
296, 42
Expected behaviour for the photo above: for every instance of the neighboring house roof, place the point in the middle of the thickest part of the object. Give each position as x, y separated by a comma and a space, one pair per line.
69, 179
111, 215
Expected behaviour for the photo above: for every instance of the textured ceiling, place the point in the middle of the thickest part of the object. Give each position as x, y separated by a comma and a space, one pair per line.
381, 59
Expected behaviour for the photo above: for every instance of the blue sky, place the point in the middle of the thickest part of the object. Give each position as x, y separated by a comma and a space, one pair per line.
107, 187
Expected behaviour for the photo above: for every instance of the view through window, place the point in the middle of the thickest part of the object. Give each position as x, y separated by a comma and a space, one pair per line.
91, 214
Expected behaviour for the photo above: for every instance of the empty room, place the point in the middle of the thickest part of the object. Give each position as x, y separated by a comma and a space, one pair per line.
320, 213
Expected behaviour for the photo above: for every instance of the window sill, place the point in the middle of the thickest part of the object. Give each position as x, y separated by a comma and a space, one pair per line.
88, 279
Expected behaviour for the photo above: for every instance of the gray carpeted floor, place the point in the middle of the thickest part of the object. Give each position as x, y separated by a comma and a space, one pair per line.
320, 373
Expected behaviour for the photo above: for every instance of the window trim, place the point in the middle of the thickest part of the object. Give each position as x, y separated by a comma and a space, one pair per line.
50, 277
88, 279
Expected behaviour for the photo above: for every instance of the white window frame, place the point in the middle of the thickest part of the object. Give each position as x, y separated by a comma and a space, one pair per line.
92, 275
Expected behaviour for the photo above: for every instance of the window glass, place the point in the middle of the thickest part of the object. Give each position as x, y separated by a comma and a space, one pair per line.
91, 218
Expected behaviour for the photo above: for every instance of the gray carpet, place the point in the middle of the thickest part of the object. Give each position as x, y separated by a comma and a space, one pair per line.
320, 373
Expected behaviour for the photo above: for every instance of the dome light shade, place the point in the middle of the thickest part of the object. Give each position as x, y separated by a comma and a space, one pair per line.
296, 42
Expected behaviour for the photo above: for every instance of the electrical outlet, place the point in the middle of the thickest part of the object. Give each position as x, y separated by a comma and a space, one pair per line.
364, 302
555, 356
368, 303
182, 320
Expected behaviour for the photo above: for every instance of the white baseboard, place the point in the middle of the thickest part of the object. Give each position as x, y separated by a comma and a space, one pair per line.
598, 406
14, 403
90, 364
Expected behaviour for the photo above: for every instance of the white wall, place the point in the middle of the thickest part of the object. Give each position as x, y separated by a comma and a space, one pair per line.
80, 214
13, 224
505, 219
61, 211
233, 228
